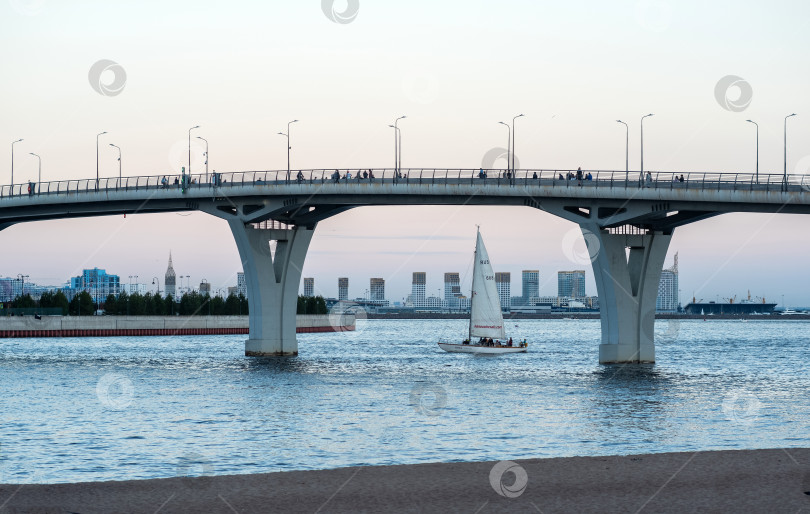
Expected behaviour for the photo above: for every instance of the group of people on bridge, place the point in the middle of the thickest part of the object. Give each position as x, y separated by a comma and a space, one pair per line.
361, 175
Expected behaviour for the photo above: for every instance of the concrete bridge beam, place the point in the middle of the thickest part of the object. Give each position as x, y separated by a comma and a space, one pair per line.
627, 285
272, 281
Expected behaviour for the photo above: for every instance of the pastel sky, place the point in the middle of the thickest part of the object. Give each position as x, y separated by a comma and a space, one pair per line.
242, 70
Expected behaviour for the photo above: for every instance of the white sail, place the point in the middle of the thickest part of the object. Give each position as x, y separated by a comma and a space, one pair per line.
486, 319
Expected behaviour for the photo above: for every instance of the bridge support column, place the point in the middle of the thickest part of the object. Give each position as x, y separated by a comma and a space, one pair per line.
627, 285
272, 284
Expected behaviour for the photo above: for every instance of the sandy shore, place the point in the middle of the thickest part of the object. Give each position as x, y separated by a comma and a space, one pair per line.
724, 481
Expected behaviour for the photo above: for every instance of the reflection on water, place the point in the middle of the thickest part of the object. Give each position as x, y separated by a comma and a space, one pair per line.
115, 408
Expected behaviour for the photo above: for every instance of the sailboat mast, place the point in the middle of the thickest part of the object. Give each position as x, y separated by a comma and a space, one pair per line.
472, 291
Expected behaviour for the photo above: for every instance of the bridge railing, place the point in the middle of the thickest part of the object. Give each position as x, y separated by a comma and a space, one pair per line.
420, 176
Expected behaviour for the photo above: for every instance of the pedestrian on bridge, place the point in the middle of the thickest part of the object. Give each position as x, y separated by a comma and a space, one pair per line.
579, 176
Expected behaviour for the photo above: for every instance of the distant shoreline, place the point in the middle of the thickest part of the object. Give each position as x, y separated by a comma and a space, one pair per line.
776, 480
587, 315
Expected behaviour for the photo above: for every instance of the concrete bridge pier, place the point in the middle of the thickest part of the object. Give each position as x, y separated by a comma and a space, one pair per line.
272, 281
627, 285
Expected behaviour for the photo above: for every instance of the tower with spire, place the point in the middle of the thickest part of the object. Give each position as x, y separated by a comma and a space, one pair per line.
171, 278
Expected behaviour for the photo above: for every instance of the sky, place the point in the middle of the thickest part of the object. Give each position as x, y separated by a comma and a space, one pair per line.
243, 70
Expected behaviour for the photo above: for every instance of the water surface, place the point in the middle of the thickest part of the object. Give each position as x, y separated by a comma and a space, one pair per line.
77, 409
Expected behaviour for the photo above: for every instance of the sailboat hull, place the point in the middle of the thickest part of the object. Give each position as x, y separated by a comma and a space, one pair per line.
471, 348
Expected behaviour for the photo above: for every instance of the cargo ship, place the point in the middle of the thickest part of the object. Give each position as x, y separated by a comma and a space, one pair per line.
730, 306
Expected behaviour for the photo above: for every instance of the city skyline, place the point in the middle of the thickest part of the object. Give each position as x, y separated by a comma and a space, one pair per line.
358, 286
566, 124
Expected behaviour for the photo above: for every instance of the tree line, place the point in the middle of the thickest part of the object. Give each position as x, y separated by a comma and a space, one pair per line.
136, 304
190, 304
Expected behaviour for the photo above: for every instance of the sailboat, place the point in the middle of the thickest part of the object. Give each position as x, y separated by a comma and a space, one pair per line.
486, 334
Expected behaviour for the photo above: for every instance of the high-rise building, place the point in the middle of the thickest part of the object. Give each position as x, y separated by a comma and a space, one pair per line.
309, 286
205, 288
241, 284
418, 288
667, 300
343, 288
98, 283
571, 284
452, 290
11, 288
170, 282
503, 281
531, 284
131, 288
377, 289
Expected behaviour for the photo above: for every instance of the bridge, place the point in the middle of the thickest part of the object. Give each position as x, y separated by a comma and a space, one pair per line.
615, 210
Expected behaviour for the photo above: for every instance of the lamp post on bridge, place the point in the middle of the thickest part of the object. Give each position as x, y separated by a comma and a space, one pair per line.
189, 148
206, 157
98, 136
119, 163
508, 142
642, 146
396, 162
514, 137
39, 167
289, 146
785, 171
626, 152
757, 124
397, 145
12, 163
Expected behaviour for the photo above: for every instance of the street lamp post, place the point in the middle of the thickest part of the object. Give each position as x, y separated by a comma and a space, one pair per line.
12, 163
189, 147
22, 278
755, 123
289, 146
785, 171
514, 137
97, 136
396, 131
156, 281
39, 167
206, 157
397, 145
288, 153
626, 152
119, 163
508, 142
642, 145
